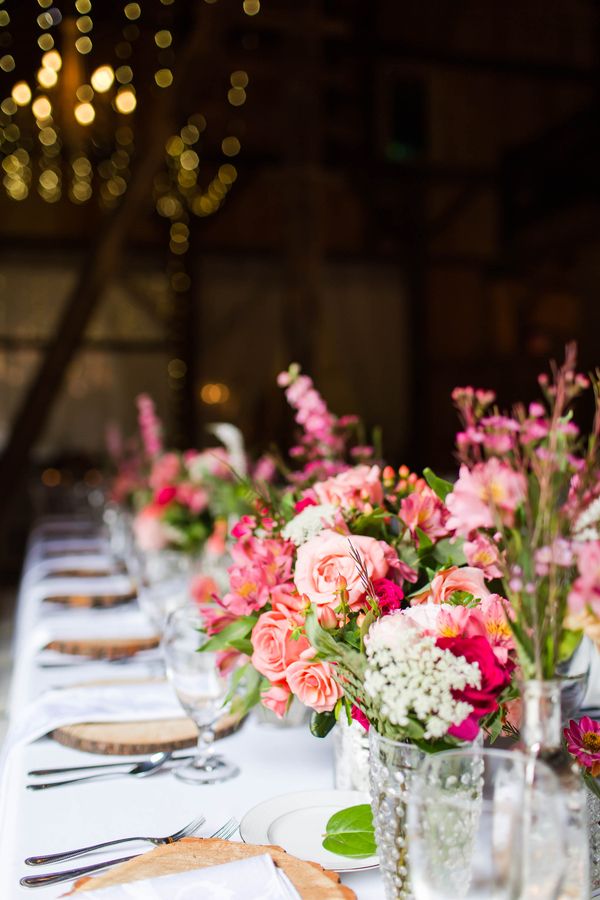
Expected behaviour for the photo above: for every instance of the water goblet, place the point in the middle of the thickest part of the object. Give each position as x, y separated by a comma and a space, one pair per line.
163, 584
485, 823
201, 689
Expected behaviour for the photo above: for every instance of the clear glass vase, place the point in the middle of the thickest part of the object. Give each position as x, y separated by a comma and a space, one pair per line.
350, 756
392, 767
541, 736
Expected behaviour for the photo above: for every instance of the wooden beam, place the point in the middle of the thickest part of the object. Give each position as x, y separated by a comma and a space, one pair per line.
99, 267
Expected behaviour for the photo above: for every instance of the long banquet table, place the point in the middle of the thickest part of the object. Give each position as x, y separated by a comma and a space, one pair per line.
272, 760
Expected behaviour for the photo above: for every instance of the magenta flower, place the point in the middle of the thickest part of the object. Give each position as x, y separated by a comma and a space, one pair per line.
583, 742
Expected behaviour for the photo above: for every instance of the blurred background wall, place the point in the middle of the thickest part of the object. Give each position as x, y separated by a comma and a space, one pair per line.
409, 202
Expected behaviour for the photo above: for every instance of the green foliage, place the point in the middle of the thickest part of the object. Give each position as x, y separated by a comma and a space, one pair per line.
441, 487
235, 631
350, 832
322, 723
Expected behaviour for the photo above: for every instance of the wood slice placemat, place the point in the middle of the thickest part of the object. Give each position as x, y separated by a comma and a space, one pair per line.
103, 648
91, 601
133, 738
310, 880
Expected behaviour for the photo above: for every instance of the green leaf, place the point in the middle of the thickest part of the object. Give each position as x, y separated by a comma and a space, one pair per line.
243, 645
235, 631
424, 542
322, 723
350, 832
569, 642
441, 487
255, 683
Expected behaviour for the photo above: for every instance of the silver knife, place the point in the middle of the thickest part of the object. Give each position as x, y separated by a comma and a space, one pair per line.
110, 765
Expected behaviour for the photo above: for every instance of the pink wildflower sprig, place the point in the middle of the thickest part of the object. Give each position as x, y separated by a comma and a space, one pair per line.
150, 426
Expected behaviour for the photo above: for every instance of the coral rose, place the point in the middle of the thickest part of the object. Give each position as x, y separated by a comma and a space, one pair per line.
352, 489
327, 557
313, 683
466, 579
277, 698
274, 647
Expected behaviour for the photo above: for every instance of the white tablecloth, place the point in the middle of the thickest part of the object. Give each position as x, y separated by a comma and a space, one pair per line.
272, 760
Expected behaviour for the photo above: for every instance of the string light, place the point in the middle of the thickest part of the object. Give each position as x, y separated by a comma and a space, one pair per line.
83, 45
52, 60
126, 101
21, 93
163, 78
41, 108
85, 113
251, 7
7, 63
102, 79
47, 77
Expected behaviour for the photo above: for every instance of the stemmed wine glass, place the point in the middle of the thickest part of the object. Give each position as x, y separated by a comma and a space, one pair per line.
163, 584
201, 689
485, 823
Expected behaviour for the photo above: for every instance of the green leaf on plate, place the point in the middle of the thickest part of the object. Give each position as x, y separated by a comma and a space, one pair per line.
350, 832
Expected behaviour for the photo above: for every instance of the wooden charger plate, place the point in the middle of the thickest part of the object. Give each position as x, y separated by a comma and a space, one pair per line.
91, 601
103, 648
310, 880
133, 738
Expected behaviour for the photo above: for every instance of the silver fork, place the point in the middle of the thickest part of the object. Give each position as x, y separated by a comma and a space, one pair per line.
224, 832
188, 829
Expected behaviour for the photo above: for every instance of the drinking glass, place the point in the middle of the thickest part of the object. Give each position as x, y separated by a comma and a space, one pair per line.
163, 581
488, 824
201, 689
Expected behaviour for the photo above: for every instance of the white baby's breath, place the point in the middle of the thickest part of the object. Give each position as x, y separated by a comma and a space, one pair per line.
408, 676
309, 523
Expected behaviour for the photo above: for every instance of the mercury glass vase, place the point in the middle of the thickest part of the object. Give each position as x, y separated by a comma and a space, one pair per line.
541, 736
392, 767
350, 756
593, 812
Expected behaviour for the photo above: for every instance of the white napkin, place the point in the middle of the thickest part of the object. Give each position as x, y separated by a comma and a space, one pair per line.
42, 566
257, 878
89, 624
98, 703
66, 545
95, 586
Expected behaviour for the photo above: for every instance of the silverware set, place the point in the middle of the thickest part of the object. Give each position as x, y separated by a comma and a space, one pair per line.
225, 832
140, 769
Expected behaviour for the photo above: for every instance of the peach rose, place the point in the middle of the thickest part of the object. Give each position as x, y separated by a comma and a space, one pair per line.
326, 557
352, 489
312, 682
274, 648
446, 582
276, 699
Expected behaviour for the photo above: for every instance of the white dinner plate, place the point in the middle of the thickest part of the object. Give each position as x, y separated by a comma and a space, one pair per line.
297, 823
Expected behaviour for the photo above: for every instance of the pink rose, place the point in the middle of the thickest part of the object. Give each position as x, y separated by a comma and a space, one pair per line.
326, 557
586, 587
446, 582
313, 683
149, 530
274, 647
352, 489
277, 699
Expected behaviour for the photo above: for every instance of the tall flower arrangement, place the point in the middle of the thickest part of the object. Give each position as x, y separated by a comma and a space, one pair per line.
317, 565
527, 502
